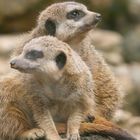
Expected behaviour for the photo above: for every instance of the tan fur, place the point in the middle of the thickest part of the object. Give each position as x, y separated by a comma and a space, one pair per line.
15, 113
30, 103
106, 88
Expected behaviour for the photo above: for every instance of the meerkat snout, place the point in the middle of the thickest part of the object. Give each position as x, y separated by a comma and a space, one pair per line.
23, 65
16, 64
98, 18
12, 63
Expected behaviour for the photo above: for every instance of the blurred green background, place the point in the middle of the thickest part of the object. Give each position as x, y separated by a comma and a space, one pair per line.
117, 37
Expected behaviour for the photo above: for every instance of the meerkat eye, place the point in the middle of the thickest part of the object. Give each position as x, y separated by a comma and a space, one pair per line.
34, 54
76, 15
61, 59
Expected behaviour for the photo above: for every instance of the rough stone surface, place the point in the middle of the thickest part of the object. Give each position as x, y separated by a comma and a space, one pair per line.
123, 74
4, 66
129, 78
133, 103
113, 58
109, 43
131, 49
8, 43
106, 40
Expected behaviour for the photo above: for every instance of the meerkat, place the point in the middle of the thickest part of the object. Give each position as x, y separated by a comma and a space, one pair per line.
71, 22
59, 88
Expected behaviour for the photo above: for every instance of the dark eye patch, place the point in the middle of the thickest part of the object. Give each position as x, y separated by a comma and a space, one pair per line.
34, 54
61, 60
75, 15
50, 27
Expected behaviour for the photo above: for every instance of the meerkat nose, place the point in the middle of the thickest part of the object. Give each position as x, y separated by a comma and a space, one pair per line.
12, 63
98, 17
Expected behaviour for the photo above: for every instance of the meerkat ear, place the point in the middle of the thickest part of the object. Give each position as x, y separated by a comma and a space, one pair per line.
61, 59
50, 27
76, 63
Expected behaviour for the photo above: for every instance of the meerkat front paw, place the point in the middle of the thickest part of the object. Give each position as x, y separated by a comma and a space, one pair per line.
33, 134
73, 136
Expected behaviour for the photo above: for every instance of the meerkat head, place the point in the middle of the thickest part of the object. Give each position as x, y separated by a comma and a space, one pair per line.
46, 56
66, 20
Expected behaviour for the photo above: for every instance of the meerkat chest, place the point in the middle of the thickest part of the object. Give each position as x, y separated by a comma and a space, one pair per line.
62, 102
61, 110
59, 91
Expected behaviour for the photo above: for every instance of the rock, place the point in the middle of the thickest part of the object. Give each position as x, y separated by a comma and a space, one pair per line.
107, 40
123, 75
129, 79
113, 58
8, 43
131, 49
110, 43
96, 137
133, 103
135, 72
4, 66
92, 137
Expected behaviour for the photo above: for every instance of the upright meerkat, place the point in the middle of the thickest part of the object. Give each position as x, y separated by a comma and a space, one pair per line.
59, 88
71, 22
